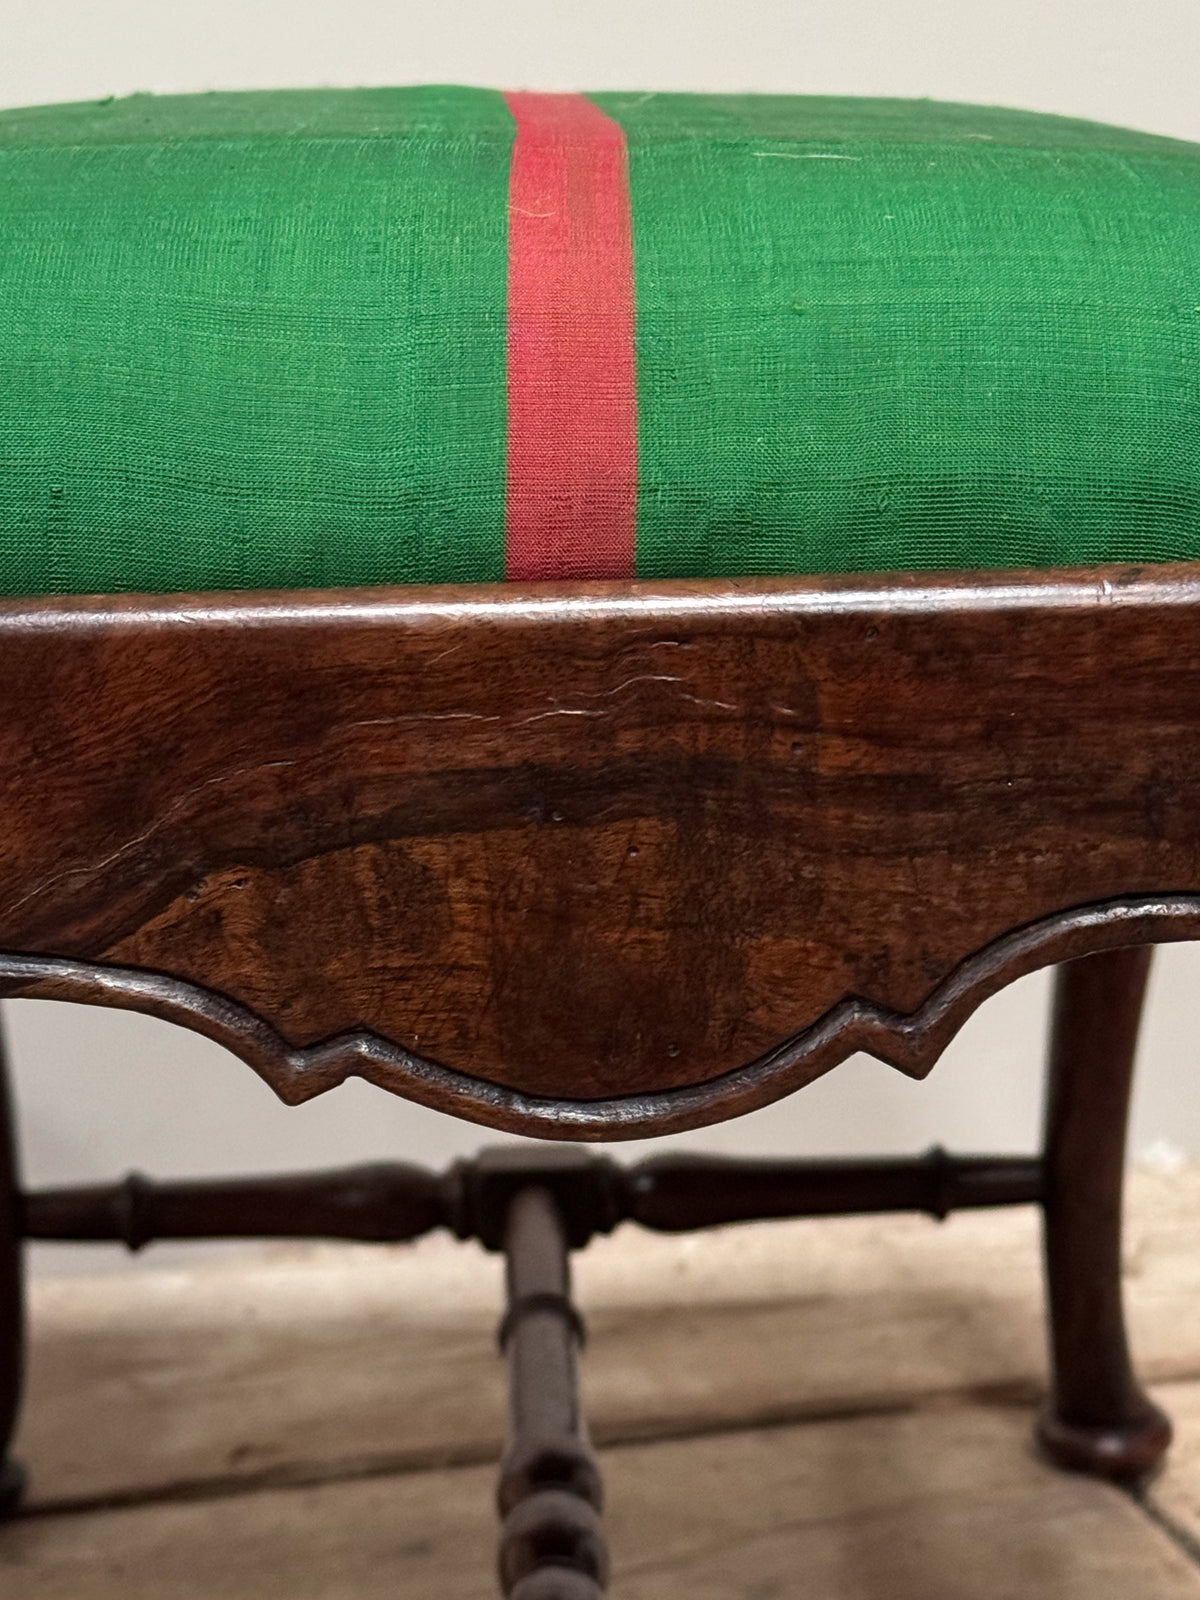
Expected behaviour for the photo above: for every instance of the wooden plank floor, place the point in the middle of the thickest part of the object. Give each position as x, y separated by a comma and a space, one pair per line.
829, 1409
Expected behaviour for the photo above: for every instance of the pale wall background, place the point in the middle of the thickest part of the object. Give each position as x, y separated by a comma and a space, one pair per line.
99, 1091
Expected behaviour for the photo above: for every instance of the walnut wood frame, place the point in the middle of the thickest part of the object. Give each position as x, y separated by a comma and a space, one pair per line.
595, 862
601, 861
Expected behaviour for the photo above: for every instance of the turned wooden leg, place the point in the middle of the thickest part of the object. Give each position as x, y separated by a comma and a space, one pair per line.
1097, 1420
12, 1300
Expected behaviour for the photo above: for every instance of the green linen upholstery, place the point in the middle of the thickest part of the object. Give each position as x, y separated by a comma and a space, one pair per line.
260, 340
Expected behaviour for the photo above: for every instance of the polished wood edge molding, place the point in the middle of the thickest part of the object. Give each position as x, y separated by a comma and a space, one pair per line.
1064, 588
911, 1043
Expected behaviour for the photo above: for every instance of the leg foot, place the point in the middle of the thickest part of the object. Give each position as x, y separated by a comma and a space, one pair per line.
1098, 1420
1123, 1451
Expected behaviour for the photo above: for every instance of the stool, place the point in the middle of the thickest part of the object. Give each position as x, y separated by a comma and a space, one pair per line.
584, 612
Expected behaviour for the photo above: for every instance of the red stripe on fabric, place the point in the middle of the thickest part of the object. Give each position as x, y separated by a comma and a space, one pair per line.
572, 368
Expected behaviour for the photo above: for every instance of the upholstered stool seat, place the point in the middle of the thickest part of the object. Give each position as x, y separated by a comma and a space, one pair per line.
651, 847
292, 339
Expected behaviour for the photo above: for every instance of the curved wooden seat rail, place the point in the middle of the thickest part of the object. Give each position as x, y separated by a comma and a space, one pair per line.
595, 861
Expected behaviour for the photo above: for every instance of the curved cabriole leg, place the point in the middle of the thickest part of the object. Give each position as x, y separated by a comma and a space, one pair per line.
1098, 1420
12, 1300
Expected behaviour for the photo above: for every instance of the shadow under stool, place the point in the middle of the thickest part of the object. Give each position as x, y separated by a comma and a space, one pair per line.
490, 749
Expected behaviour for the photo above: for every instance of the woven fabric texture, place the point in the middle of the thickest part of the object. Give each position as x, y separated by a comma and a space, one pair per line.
262, 340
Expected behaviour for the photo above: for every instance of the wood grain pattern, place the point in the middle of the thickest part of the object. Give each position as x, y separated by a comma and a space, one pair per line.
912, 1043
595, 860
